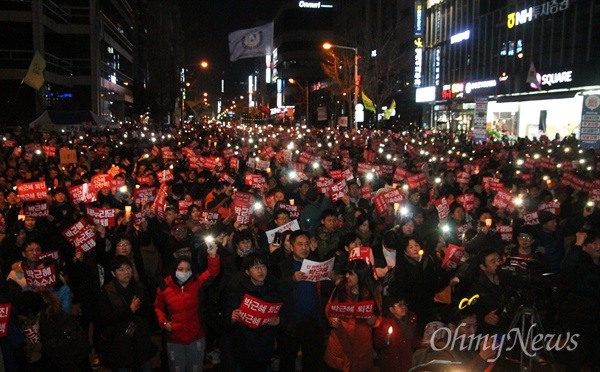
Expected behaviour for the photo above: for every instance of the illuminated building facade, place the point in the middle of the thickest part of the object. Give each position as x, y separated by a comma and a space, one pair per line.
532, 60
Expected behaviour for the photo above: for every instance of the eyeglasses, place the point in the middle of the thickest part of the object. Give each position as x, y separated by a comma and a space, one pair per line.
123, 245
259, 267
525, 237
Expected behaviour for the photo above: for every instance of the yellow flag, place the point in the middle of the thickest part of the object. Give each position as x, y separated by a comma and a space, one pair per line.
35, 75
387, 113
367, 102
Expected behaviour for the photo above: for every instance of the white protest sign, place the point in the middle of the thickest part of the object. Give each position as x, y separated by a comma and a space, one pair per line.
292, 225
317, 271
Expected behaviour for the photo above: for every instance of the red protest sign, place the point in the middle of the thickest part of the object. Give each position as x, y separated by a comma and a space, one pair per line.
496, 185
255, 313
42, 277
553, 207
4, 318
366, 192
53, 254
32, 191
531, 218
467, 201
184, 205
210, 163
50, 151
242, 211
196, 162
144, 180
259, 182
234, 163
85, 193
101, 216
369, 156
400, 174
454, 256
463, 178
101, 181
380, 203
139, 216
337, 174
160, 202
338, 190
346, 310
208, 218
40, 209
293, 209
145, 195
81, 236
443, 208
506, 232
363, 168
394, 196
452, 165
460, 229
113, 171
502, 200
244, 197
417, 180
322, 184
227, 177
165, 175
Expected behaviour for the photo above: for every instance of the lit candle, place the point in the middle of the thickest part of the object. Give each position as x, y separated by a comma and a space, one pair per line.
396, 207
488, 222
292, 201
127, 212
390, 330
421, 254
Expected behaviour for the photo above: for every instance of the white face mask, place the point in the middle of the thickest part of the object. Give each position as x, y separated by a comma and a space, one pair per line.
183, 277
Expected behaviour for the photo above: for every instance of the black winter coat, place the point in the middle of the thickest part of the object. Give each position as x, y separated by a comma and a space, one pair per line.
121, 350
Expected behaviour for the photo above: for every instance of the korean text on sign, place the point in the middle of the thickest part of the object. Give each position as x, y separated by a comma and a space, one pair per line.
363, 309
255, 313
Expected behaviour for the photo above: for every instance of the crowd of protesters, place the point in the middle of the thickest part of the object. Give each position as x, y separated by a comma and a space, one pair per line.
109, 238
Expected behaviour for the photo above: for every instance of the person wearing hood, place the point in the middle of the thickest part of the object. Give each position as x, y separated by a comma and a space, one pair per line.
177, 308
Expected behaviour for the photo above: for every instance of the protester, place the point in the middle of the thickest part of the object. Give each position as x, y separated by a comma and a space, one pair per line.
177, 309
350, 345
396, 336
253, 347
125, 310
302, 311
525, 184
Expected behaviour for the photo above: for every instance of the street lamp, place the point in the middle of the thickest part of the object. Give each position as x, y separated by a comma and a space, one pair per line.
203, 65
328, 46
294, 81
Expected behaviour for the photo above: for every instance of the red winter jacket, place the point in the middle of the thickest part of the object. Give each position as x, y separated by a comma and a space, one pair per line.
180, 306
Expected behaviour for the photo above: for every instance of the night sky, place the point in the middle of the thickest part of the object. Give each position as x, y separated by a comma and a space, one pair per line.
206, 24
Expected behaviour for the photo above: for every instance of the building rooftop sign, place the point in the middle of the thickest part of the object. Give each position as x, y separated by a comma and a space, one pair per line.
531, 13
313, 5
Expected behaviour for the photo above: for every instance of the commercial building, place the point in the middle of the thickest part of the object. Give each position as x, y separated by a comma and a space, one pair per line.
88, 47
533, 61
